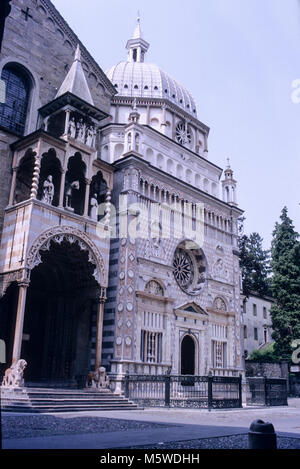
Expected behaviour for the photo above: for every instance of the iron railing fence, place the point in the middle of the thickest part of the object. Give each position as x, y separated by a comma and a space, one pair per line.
267, 391
184, 391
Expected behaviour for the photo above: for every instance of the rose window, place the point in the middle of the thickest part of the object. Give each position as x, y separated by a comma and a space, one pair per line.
183, 268
189, 268
183, 133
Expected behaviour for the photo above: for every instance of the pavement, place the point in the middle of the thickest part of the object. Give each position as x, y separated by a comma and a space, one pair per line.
182, 425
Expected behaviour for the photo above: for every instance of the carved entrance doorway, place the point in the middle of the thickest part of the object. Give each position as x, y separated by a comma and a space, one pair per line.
187, 356
61, 306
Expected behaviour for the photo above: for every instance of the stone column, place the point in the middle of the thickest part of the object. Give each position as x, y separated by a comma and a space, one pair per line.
68, 112
62, 188
107, 206
87, 197
100, 315
35, 178
19, 322
13, 187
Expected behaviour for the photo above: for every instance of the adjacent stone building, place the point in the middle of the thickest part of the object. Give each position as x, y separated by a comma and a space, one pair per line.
118, 235
256, 322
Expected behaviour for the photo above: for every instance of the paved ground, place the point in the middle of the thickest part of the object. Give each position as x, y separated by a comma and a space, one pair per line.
162, 428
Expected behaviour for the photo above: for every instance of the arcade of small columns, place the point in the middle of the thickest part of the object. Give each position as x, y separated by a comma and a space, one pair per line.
93, 168
152, 192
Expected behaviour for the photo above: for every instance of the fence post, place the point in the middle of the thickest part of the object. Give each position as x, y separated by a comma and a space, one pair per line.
167, 379
240, 391
127, 384
210, 391
266, 391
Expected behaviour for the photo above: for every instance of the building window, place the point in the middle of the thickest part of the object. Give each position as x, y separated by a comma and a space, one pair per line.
13, 112
219, 354
151, 347
265, 336
255, 333
254, 309
245, 332
265, 312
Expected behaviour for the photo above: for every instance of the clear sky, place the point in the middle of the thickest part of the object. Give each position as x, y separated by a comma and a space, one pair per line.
238, 58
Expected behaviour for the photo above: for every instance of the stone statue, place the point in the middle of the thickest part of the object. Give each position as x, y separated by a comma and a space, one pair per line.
98, 379
81, 130
72, 186
90, 136
72, 128
48, 190
13, 377
94, 208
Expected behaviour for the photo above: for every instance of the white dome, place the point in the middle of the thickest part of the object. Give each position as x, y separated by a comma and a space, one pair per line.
145, 80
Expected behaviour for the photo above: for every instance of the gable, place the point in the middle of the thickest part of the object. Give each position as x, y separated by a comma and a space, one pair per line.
192, 308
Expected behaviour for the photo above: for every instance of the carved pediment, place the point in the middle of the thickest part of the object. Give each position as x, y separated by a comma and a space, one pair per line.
192, 308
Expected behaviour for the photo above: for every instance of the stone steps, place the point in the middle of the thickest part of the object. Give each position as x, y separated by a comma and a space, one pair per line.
62, 400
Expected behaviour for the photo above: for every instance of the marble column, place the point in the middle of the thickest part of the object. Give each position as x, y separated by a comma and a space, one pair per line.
62, 188
87, 197
19, 322
100, 315
13, 187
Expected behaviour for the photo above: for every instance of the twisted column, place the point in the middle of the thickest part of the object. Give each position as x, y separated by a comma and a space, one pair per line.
35, 178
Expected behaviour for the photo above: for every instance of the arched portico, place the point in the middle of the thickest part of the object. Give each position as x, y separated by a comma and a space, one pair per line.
59, 317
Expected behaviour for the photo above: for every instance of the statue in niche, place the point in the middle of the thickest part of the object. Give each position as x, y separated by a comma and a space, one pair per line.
94, 207
48, 190
72, 128
69, 192
81, 130
90, 136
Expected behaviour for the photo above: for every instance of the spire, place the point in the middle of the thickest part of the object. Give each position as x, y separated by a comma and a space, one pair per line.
75, 81
137, 46
229, 186
137, 33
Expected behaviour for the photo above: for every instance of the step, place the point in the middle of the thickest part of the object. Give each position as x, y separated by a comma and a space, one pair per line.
61, 400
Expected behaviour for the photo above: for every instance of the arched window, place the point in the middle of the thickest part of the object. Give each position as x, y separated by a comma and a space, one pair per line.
13, 112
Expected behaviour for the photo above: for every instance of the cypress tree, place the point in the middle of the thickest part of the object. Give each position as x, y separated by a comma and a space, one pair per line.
285, 284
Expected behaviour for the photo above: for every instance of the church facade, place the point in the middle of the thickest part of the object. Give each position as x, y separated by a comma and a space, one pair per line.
118, 234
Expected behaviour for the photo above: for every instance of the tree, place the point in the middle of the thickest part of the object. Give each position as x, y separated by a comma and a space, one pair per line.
285, 285
255, 265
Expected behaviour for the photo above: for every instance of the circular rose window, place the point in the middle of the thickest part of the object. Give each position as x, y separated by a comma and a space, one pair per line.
189, 268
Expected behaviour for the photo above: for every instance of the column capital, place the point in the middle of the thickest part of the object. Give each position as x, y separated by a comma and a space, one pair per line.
24, 283
102, 296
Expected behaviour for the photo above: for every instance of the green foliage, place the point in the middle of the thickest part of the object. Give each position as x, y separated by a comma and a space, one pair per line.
285, 285
265, 355
255, 265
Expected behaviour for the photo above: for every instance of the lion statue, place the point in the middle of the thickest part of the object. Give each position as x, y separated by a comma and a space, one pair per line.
98, 379
13, 376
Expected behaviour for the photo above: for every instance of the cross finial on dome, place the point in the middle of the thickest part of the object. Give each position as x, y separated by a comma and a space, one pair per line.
228, 162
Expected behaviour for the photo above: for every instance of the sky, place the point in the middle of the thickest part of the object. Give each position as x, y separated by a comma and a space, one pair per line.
240, 59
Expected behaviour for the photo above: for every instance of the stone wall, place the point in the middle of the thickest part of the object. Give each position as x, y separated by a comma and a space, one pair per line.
266, 369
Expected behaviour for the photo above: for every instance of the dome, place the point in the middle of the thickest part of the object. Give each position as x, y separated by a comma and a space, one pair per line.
139, 79
145, 80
